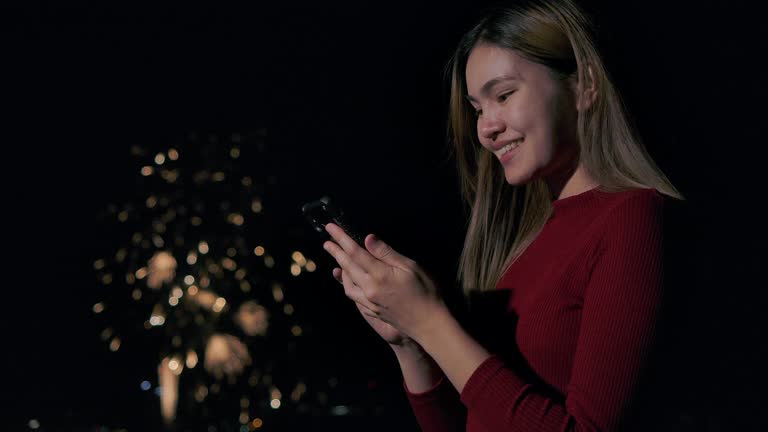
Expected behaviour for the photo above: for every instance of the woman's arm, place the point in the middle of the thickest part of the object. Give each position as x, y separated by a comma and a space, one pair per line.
420, 372
435, 403
454, 350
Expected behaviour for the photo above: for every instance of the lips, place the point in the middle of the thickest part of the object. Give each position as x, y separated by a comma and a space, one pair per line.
515, 143
505, 143
509, 155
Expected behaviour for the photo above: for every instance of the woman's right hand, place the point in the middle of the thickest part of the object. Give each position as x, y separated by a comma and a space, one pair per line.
390, 334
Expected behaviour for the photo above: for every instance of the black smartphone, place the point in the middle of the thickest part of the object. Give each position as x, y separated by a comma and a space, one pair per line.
323, 211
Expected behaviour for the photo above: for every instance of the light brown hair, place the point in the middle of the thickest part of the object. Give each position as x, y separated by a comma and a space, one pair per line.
504, 219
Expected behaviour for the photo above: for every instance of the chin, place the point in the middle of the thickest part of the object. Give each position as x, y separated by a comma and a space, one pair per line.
516, 180
515, 176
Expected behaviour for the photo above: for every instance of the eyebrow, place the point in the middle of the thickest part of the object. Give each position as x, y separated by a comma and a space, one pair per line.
487, 86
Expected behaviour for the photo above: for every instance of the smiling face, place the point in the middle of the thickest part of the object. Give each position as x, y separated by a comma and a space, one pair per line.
516, 99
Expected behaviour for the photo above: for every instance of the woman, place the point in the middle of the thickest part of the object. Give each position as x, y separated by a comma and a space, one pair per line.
566, 217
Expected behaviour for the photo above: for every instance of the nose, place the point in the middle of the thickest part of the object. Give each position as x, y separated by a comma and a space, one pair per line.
490, 126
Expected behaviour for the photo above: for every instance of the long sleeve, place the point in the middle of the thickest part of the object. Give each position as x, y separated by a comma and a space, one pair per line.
620, 310
439, 408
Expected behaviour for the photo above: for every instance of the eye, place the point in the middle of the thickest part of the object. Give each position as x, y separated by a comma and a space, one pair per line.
504, 96
477, 112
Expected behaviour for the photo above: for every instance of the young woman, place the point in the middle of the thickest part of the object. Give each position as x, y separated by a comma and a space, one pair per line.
566, 216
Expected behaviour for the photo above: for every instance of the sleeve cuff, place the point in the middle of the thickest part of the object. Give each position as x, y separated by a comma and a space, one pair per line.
439, 390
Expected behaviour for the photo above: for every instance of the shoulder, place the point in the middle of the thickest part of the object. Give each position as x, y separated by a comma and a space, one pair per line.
632, 213
633, 200
631, 205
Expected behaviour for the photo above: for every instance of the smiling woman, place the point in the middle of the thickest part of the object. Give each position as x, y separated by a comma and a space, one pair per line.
566, 217
563, 101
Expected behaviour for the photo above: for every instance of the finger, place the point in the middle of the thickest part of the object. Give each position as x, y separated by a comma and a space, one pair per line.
357, 253
365, 311
349, 265
355, 293
352, 291
385, 253
337, 275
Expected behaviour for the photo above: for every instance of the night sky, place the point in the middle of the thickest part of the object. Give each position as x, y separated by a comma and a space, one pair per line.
352, 103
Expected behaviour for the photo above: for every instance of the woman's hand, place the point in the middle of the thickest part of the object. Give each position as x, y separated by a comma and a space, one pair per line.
386, 285
390, 334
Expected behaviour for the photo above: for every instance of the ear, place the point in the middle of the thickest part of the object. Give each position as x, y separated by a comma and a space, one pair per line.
587, 91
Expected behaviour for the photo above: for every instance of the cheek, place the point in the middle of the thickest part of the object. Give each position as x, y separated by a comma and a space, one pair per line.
546, 121
563, 114
541, 137
528, 115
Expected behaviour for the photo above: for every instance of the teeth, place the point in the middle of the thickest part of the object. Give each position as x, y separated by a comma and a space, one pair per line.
511, 146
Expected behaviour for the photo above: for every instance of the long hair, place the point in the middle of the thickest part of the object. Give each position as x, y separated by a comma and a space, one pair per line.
504, 219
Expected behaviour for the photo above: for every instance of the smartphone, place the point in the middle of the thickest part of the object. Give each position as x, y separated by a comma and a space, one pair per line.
323, 211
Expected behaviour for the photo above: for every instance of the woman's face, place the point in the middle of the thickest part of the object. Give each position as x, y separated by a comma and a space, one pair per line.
516, 99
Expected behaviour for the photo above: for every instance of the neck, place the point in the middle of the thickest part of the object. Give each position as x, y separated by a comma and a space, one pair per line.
570, 182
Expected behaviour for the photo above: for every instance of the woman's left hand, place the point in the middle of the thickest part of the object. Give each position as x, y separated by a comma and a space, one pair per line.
392, 287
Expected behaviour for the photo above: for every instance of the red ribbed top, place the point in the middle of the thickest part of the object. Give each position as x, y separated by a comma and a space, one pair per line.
584, 299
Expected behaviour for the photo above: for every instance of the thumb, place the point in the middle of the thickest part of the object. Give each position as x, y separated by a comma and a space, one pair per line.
384, 252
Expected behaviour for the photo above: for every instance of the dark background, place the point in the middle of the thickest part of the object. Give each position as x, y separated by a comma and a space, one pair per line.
353, 101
